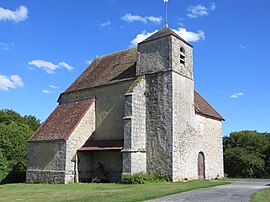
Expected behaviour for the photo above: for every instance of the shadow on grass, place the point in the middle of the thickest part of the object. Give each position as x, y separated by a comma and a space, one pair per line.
14, 177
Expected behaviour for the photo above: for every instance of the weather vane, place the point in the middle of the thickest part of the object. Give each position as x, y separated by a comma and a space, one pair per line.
166, 3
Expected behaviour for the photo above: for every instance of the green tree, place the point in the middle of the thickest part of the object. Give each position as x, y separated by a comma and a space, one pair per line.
245, 154
15, 130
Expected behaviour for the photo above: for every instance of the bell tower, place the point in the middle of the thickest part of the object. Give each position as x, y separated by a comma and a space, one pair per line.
165, 59
165, 50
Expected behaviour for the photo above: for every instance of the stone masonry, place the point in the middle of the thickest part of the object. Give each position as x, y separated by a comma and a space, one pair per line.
134, 152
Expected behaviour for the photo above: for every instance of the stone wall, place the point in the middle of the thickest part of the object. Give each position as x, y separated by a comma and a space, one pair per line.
159, 123
110, 100
46, 162
81, 133
134, 152
209, 141
184, 130
153, 56
54, 161
187, 69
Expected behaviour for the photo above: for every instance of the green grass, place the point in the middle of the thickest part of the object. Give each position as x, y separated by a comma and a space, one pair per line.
97, 192
261, 196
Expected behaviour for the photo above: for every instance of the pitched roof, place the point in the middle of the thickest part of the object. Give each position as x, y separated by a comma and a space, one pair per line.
107, 69
62, 122
204, 108
122, 66
165, 31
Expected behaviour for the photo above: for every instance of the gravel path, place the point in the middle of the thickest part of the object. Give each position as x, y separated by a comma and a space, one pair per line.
240, 191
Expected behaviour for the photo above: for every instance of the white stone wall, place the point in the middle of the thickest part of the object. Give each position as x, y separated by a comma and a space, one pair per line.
187, 69
209, 141
81, 133
134, 153
184, 131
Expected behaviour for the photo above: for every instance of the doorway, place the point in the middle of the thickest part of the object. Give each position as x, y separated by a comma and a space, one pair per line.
201, 166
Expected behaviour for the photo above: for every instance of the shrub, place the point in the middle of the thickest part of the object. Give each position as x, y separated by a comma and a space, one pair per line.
141, 178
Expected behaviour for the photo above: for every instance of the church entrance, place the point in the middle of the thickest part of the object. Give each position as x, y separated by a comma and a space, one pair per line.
201, 166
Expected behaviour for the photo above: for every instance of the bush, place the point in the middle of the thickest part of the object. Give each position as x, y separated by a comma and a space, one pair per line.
141, 178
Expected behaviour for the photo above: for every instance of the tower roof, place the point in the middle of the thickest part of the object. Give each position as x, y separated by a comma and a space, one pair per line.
165, 31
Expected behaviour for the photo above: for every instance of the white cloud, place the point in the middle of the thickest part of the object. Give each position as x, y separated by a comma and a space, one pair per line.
52, 86
182, 32
140, 37
105, 24
200, 10
65, 65
190, 36
4, 46
48, 66
46, 91
212, 6
133, 18
13, 81
154, 19
52, 90
20, 14
237, 95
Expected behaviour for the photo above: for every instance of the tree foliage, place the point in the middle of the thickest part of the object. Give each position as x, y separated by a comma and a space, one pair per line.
15, 130
246, 154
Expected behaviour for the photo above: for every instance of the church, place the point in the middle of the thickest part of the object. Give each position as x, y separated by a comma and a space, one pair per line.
133, 111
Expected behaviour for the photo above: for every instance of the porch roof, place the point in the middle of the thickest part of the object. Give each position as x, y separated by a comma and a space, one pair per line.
102, 145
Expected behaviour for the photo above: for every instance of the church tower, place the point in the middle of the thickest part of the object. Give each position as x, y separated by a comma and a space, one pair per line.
166, 61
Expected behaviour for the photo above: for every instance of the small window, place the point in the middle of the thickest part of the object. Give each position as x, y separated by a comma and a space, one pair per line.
182, 56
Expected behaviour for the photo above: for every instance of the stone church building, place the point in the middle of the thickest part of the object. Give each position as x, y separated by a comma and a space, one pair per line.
132, 111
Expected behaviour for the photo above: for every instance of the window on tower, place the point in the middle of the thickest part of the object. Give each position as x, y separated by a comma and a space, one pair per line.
182, 56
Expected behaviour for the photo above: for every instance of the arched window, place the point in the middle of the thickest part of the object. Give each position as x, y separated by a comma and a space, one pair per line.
182, 56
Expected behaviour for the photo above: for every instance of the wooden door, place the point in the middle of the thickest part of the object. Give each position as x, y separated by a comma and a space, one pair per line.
201, 166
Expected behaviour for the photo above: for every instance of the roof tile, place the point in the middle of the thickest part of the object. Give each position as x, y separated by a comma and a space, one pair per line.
61, 123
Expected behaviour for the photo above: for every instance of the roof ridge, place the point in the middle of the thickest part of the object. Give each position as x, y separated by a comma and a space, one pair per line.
111, 54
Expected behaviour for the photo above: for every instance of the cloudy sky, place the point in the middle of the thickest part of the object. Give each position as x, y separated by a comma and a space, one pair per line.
45, 45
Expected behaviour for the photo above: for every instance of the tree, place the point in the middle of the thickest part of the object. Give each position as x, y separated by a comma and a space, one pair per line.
15, 130
245, 154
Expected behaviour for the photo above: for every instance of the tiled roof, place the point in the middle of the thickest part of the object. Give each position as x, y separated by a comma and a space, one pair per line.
61, 123
107, 69
204, 108
102, 145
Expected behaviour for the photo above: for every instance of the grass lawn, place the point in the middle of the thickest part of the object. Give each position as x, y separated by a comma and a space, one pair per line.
261, 196
97, 192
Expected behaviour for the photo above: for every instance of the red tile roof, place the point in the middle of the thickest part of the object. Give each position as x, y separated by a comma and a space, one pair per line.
102, 145
64, 119
202, 107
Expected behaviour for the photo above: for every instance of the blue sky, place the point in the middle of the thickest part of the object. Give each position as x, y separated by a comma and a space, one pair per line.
45, 45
